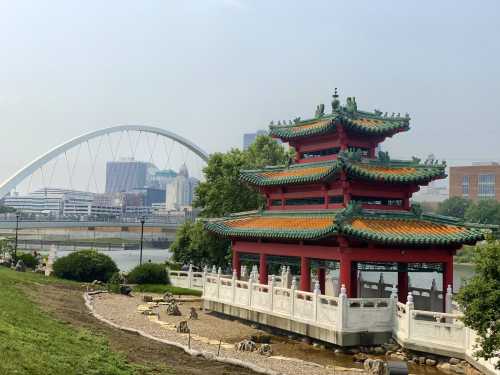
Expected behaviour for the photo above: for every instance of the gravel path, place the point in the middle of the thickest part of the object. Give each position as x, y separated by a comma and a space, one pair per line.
206, 332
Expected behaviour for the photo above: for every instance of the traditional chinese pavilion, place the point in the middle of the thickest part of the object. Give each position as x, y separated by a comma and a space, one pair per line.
340, 201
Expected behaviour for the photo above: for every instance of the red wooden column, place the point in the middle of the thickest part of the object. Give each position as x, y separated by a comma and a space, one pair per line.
321, 279
305, 274
262, 268
402, 286
354, 280
237, 263
345, 272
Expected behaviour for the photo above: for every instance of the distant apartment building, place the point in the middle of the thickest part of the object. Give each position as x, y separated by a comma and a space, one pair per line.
475, 182
51, 201
128, 174
249, 138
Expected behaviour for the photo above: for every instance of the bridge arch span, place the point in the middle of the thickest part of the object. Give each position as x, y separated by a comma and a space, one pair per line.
28, 169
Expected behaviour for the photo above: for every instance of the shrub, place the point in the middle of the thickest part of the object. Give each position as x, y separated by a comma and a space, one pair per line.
85, 265
29, 260
114, 283
149, 273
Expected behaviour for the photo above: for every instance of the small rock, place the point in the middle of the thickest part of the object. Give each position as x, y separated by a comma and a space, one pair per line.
147, 298
168, 297
183, 327
454, 361
457, 369
444, 367
374, 366
193, 315
245, 346
265, 349
338, 351
398, 356
421, 360
173, 309
125, 290
353, 351
360, 357
430, 362
379, 350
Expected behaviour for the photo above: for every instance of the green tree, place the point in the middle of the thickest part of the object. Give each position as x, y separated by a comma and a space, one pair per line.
480, 300
483, 212
195, 245
223, 193
455, 206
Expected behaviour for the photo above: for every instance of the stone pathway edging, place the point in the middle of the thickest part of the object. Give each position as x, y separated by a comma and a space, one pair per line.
87, 296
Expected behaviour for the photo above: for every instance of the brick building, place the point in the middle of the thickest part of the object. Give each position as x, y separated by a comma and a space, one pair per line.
477, 181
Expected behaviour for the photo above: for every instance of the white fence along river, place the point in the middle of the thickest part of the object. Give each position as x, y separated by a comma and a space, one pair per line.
434, 332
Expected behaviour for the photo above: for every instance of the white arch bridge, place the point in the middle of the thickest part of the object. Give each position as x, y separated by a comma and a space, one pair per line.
9, 184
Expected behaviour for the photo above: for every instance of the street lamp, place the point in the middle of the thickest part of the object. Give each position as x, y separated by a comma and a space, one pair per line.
143, 220
15, 242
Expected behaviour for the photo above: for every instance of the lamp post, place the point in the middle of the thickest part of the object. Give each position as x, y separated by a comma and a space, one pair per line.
15, 242
143, 220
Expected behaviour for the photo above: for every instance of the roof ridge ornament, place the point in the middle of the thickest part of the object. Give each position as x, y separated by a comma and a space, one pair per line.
351, 105
320, 111
335, 101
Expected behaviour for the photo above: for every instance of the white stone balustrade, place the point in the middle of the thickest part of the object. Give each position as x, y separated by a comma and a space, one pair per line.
434, 332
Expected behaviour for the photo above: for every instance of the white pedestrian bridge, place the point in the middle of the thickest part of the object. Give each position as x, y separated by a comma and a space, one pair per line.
338, 320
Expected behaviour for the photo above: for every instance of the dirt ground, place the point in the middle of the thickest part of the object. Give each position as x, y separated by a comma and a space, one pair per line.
67, 304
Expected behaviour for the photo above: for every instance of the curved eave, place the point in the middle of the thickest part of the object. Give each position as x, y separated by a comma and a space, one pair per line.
225, 231
422, 174
387, 128
288, 132
468, 237
255, 177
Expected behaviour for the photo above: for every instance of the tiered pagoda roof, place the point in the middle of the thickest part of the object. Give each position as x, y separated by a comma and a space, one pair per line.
393, 171
397, 228
356, 121
353, 157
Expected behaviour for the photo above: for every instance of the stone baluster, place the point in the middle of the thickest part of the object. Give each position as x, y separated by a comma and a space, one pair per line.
448, 300
317, 292
233, 285
204, 281
218, 282
394, 303
293, 287
214, 270
250, 289
409, 313
343, 305
271, 282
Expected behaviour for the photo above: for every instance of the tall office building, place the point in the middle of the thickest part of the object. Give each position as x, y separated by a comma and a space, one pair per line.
180, 191
126, 175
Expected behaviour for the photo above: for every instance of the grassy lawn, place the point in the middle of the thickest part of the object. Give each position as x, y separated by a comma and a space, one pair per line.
32, 341
162, 289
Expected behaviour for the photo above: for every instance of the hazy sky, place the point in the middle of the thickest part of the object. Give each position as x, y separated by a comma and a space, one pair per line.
211, 70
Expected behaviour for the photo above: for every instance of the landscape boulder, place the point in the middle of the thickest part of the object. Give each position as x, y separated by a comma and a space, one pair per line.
125, 290
20, 267
193, 315
265, 349
246, 346
374, 366
173, 309
146, 298
183, 327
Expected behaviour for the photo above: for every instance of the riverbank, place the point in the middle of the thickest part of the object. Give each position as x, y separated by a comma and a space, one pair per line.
46, 329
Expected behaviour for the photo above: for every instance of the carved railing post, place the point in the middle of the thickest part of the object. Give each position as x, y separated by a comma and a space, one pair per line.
448, 300
271, 293
218, 283
292, 297
409, 314
342, 308
233, 286
317, 292
190, 276
394, 305
250, 288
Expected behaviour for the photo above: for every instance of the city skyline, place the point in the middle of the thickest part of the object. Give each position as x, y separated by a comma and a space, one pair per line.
442, 76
